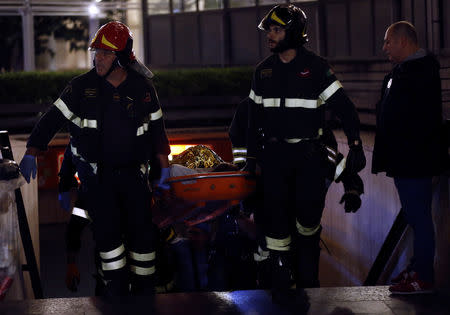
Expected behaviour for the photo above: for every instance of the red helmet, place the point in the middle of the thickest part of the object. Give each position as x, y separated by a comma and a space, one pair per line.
115, 36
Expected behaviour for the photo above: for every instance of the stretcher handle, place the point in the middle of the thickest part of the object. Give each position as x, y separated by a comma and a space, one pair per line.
205, 175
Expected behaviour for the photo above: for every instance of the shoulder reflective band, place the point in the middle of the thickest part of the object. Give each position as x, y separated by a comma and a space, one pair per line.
114, 265
156, 115
305, 230
256, 98
113, 253
143, 257
142, 271
279, 244
330, 90
153, 116
82, 123
81, 213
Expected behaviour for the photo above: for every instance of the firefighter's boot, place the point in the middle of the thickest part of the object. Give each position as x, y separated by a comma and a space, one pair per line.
307, 260
116, 286
142, 285
281, 275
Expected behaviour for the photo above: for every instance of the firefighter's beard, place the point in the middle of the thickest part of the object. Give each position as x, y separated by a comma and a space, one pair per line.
280, 47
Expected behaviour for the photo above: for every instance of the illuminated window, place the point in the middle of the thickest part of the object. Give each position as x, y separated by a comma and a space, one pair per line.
158, 7
210, 4
242, 3
184, 6
266, 2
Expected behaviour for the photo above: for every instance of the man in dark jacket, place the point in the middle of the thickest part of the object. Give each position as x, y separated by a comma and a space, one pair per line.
409, 145
291, 89
116, 127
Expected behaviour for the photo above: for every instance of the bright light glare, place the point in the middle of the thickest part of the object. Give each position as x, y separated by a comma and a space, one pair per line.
176, 149
93, 10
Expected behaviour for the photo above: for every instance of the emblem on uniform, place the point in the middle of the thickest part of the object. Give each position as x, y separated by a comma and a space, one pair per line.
330, 72
90, 93
68, 90
305, 73
147, 98
129, 101
266, 73
116, 97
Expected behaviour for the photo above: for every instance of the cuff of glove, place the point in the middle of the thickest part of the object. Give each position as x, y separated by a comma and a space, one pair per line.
355, 144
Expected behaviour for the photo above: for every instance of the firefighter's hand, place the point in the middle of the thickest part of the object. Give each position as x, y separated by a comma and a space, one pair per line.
64, 200
161, 182
356, 160
28, 167
72, 277
351, 200
250, 166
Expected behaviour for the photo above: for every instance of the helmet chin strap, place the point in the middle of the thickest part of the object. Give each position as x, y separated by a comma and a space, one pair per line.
114, 65
281, 47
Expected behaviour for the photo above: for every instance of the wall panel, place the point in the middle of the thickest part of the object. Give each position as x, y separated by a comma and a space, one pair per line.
245, 37
211, 33
186, 39
336, 28
361, 27
159, 42
384, 16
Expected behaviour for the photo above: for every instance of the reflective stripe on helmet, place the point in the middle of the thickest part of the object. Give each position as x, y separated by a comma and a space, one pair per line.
279, 244
306, 231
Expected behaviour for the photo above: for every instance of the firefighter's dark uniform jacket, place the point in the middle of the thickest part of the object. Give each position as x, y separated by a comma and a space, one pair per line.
409, 137
290, 99
82, 105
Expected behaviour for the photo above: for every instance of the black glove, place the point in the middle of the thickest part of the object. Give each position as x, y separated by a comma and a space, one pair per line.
250, 166
353, 187
356, 160
351, 200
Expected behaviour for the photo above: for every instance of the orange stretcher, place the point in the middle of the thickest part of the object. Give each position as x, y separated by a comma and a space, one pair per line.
201, 197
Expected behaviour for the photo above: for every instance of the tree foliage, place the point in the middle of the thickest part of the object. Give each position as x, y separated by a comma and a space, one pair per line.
74, 30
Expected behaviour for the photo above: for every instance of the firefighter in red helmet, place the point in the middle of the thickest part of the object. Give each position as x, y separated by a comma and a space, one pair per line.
109, 112
291, 89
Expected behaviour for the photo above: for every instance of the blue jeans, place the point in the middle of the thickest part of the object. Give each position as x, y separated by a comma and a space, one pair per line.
416, 199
